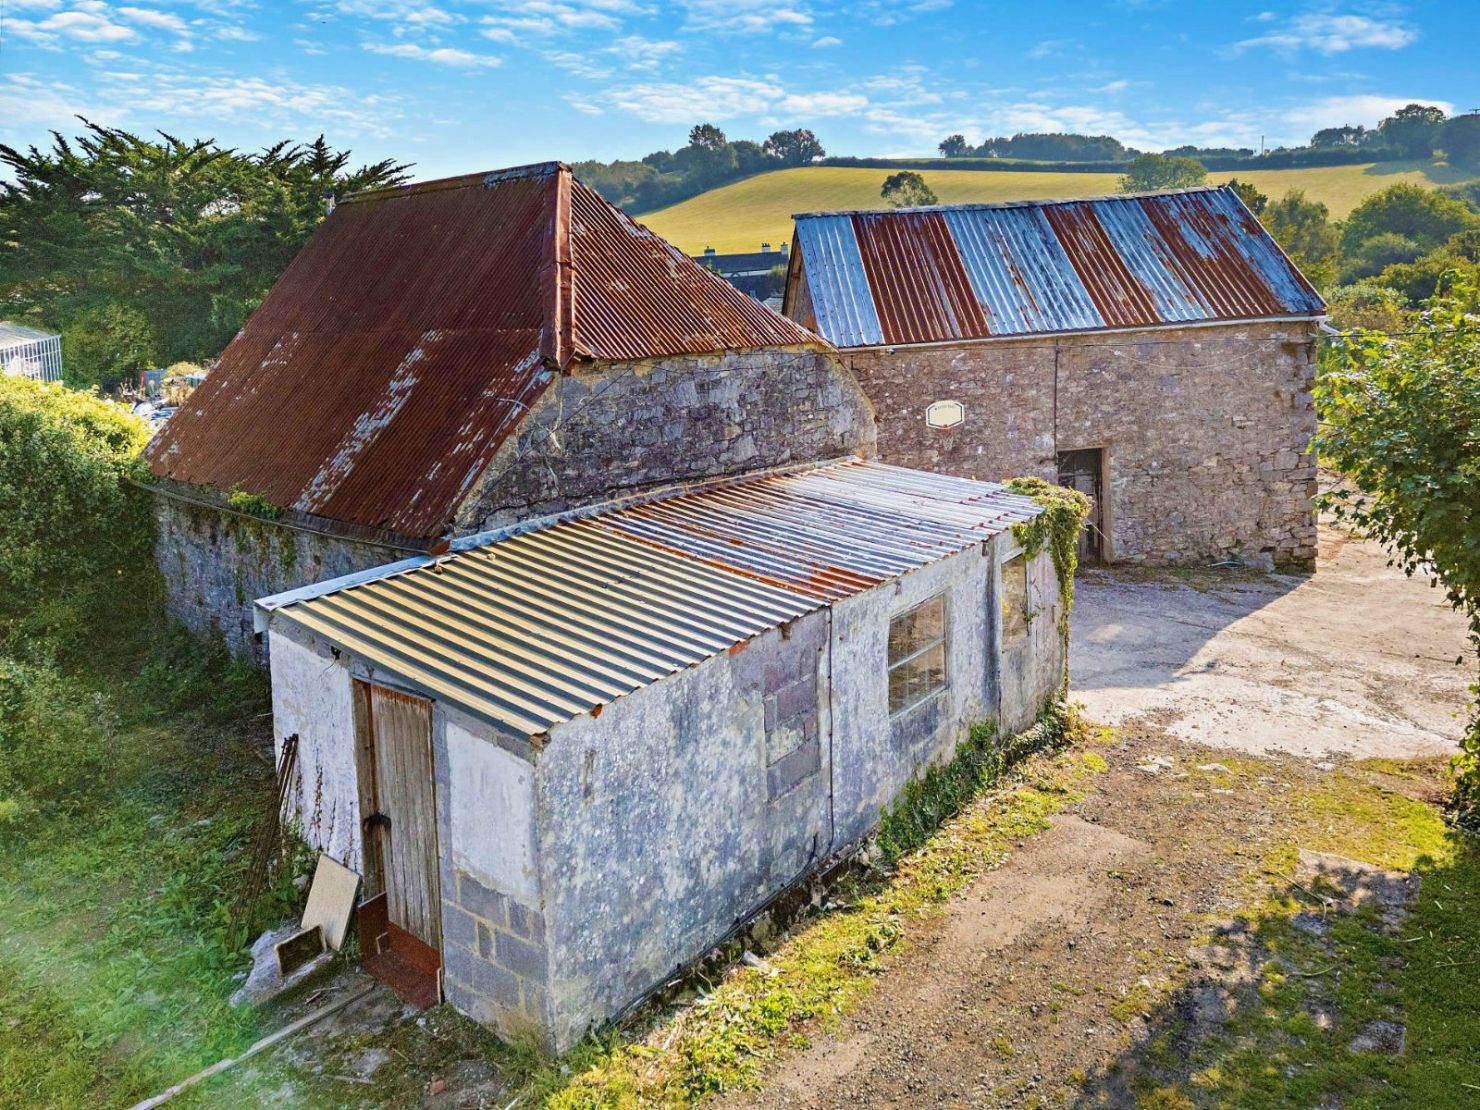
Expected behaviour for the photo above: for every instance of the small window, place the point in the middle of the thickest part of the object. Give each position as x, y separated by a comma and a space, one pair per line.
1014, 600
917, 654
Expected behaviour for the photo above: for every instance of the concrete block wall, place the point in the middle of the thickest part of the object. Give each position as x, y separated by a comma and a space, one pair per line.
1207, 430
495, 967
615, 428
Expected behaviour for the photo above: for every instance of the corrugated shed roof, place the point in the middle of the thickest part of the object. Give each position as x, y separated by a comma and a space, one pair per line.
418, 325
13, 335
974, 271
541, 627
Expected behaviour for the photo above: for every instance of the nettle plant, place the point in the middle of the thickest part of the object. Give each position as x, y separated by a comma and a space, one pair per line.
1401, 414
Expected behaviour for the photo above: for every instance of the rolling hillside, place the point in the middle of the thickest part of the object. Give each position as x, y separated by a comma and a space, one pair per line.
741, 216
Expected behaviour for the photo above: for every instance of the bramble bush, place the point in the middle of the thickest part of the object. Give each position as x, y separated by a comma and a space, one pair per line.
1402, 422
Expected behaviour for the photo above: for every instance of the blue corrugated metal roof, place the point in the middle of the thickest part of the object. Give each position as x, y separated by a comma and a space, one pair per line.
1036, 267
538, 628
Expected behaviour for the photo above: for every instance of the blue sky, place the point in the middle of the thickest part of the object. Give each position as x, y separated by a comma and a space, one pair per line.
463, 85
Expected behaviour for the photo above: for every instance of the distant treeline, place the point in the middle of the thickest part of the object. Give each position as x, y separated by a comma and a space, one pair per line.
1280, 159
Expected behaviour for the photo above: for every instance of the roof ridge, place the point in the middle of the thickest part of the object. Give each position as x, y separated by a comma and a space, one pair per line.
1042, 202
460, 181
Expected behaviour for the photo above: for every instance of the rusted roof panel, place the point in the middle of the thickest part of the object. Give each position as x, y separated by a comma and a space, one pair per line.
418, 325
1034, 267
541, 627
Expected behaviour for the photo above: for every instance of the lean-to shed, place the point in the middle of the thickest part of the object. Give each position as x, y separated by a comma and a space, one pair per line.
1155, 351
448, 357
571, 759
30, 352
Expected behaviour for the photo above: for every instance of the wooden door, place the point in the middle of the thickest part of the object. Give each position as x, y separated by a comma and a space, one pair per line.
1084, 471
401, 855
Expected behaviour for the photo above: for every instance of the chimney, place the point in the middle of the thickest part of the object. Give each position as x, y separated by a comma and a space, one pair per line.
709, 252
765, 248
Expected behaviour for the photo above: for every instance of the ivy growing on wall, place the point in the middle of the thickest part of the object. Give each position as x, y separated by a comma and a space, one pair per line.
1056, 530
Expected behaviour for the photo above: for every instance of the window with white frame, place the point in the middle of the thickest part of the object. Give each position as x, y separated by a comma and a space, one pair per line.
917, 654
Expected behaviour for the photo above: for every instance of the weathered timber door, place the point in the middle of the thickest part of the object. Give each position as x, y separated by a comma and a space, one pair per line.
400, 832
1084, 471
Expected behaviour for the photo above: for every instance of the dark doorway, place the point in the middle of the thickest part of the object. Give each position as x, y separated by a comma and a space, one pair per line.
1084, 470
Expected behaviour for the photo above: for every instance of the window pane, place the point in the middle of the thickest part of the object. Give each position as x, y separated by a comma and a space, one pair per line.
913, 629
917, 679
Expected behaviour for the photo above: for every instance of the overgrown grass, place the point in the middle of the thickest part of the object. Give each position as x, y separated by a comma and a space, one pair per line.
1289, 1043
721, 1041
137, 769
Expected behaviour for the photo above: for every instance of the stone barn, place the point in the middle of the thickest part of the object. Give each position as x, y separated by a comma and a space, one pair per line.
571, 759
1154, 351
450, 357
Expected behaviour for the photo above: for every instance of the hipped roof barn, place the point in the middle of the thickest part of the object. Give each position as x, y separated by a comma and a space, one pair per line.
417, 327
978, 271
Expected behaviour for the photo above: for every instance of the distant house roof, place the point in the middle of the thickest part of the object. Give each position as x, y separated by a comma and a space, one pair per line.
14, 335
541, 627
416, 327
974, 271
749, 262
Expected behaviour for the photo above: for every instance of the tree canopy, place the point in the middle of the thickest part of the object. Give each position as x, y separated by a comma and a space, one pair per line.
1402, 422
1425, 216
1303, 229
907, 189
149, 251
1159, 171
794, 148
1412, 131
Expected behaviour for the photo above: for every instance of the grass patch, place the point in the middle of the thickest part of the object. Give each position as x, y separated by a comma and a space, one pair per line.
744, 214
1324, 978
721, 1041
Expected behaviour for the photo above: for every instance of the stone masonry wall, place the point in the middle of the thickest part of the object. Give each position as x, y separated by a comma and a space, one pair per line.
1206, 430
618, 428
215, 564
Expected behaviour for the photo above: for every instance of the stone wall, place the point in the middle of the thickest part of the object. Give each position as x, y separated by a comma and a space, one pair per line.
215, 564
617, 428
1206, 430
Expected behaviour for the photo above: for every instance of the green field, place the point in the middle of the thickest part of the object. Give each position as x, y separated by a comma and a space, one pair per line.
742, 216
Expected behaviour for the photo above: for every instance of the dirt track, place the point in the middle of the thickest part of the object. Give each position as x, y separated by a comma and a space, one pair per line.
1035, 977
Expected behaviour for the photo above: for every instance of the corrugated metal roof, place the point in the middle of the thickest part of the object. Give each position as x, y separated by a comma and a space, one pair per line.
541, 627
418, 325
973, 271
12, 334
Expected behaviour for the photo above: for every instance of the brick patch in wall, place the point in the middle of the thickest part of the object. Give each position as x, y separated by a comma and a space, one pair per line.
494, 957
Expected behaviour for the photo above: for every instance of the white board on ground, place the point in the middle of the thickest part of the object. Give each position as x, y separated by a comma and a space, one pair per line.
331, 900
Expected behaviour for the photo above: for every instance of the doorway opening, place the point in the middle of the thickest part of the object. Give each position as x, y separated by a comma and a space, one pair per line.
1084, 470
400, 919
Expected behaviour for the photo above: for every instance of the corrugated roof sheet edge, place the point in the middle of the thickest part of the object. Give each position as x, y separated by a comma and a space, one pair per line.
854, 484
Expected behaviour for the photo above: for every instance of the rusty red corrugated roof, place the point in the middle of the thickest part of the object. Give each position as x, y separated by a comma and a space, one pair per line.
975, 271
417, 326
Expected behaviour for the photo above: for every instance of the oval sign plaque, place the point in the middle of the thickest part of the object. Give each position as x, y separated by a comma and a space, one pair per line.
945, 414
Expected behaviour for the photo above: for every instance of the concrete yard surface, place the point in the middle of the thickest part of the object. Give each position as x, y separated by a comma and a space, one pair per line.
1355, 659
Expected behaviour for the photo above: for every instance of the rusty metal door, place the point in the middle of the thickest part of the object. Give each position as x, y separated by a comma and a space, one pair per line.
403, 822
1084, 471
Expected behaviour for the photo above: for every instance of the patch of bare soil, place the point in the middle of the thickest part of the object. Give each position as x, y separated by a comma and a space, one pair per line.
1041, 972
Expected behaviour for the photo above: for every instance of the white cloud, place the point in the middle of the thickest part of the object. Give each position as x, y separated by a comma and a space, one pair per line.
642, 54
825, 41
724, 98
745, 16
1110, 88
581, 65
440, 55
152, 17
87, 21
1331, 33
1337, 111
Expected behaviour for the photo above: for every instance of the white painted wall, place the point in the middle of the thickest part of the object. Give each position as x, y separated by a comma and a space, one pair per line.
491, 807
312, 695
1033, 668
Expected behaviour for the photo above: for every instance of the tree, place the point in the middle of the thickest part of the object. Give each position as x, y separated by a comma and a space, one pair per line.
706, 136
907, 189
1158, 171
1418, 280
1303, 229
1426, 216
751, 157
1253, 199
1402, 422
1347, 136
954, 146
1375, 254
146, 251
1413, 131
1460, 141
794, 148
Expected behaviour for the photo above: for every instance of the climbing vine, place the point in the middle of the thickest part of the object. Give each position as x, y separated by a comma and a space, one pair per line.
1056, 529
